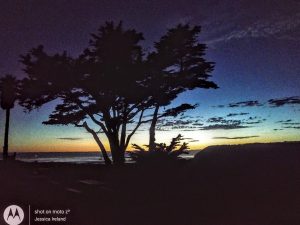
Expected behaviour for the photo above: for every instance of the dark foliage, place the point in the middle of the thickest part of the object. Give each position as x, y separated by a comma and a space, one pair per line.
176, 65
8, 91
112, 83
162, 153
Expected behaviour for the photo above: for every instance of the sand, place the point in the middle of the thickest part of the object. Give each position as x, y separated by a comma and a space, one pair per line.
259, 190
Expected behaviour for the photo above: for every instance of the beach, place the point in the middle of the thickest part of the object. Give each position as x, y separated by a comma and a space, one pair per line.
260, 189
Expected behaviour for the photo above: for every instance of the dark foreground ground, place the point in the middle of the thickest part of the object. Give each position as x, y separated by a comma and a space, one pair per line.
259, 187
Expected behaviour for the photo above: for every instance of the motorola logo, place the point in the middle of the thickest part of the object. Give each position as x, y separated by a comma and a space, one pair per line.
13, 215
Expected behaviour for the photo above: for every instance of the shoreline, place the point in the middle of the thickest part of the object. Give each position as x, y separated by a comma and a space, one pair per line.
224, 188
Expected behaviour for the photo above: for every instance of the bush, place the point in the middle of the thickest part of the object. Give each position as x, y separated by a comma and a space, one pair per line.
162, 153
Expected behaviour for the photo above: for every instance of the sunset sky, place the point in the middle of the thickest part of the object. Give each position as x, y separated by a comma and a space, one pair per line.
255, 45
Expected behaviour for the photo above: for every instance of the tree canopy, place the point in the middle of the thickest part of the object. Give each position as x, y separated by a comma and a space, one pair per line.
8, 91
113, 82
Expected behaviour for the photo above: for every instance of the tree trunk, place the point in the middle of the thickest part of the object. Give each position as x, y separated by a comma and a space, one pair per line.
117, 155
103, 151
5, 147
101, 146
107, 160
116, 152
152, 129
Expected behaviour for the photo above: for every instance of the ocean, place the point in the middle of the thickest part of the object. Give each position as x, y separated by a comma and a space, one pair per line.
72, 157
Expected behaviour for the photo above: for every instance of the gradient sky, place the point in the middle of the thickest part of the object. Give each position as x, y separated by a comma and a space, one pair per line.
255, 45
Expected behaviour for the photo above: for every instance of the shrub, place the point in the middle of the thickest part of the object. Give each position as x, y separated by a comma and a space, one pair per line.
162, 153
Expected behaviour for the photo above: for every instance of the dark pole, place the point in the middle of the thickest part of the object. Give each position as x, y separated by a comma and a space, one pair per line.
5, 147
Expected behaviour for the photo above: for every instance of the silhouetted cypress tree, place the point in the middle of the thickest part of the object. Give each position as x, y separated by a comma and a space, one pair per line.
176, 65
112, 84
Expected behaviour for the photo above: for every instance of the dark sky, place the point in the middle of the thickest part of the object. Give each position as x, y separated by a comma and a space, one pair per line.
255, 45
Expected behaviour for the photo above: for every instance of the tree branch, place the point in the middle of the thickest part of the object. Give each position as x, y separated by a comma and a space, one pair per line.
93, 118
97, 139
134, 130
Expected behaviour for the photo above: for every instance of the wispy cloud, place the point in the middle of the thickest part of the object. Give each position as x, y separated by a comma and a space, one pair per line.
239, 20
292, 127
288, 122
69, 138
185, 123
277, 102
254, 120
234, 138
224, 127
262, 29
245, 104
220, 123
294, 100
237, 114
249, 103
216, 120
284, 121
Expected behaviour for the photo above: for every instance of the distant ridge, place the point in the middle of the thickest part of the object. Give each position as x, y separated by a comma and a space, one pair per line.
255, 148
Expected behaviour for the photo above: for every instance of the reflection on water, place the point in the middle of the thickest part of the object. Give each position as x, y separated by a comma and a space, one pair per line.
72, 157
69, 157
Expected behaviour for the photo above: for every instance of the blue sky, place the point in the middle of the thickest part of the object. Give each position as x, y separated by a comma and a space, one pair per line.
255, 46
